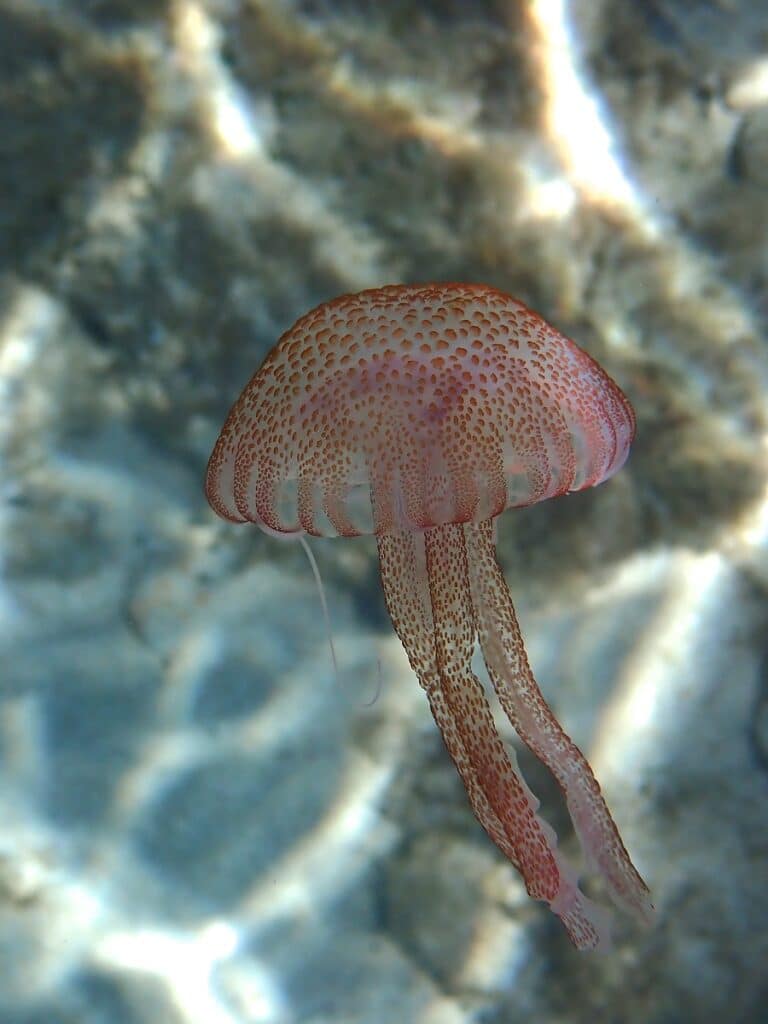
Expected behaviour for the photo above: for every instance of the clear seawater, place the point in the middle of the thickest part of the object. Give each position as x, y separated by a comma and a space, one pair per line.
202, 823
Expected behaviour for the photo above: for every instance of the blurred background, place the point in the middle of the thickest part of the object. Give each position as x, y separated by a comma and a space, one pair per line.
198, 821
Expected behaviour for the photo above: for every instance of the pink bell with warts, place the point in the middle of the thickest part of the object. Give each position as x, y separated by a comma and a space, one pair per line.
419, 413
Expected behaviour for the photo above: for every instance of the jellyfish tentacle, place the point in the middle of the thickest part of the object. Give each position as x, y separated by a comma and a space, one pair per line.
427, 592
524, 704
470, 715
587, 923
403, 558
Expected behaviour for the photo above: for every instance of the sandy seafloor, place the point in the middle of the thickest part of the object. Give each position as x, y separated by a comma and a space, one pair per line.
198, 823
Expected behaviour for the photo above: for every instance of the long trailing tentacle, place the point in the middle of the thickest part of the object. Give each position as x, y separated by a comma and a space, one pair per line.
426, 586
533, 720
406, 589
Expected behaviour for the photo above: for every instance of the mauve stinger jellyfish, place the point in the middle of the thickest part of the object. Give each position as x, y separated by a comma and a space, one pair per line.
419, 413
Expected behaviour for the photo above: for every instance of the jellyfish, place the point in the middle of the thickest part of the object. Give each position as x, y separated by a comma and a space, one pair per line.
419, 413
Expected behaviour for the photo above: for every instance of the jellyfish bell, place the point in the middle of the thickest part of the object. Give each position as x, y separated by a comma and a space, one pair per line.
411, 407
419, 413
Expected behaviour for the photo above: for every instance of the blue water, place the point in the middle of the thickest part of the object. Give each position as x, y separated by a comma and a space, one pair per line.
202, 821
